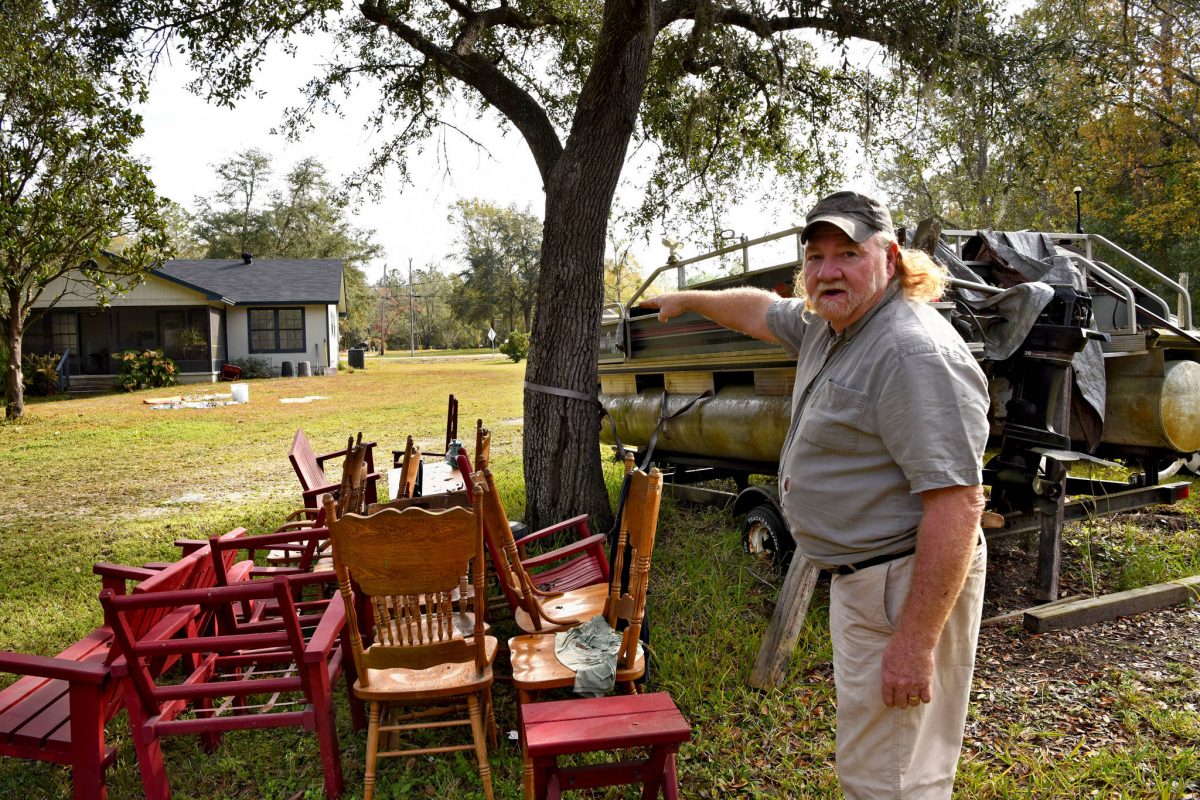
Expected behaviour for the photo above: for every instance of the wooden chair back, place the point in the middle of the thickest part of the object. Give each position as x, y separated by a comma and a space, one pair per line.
431, 502
635, 546
451, 422
304, 462
483, 446
413, 569
513, 578
354, 480
409, 466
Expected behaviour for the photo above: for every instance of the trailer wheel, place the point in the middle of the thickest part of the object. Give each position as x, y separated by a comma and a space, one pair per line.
766, 536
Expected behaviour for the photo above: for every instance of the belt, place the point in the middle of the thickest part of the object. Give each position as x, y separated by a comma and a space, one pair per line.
847, 569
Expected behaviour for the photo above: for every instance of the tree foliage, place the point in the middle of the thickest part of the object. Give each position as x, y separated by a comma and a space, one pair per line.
302, 217
709, 91
501, 248
69, 187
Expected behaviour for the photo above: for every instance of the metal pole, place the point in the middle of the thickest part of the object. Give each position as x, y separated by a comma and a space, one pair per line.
1078, 210
412, 347
383, 312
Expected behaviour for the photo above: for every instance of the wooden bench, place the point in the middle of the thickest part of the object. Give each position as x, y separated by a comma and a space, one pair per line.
563, 727
57, 710
310, 469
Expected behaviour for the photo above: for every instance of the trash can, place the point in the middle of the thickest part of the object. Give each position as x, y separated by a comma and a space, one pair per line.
240, 392
287, 369
303, 369
357, 358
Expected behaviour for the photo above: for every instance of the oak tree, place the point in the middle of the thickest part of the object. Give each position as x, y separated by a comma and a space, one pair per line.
711, 91
69, 187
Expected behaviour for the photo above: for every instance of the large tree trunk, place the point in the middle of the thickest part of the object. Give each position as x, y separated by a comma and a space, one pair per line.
14, 383
561, 440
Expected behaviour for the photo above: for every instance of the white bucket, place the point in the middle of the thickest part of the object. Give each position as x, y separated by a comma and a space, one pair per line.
241, 392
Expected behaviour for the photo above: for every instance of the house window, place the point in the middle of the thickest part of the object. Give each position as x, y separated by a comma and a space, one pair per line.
64, 332
277, 330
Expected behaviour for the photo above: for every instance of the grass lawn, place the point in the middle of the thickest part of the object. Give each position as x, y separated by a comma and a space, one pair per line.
1109, 711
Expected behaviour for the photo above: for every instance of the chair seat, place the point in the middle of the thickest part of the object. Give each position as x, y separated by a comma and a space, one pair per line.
396, 683
535, 666
572, 608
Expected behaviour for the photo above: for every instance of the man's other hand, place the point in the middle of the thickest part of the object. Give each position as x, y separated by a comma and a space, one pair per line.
907, 674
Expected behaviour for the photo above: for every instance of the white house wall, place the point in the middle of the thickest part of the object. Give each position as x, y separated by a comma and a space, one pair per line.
317, 336
154, 292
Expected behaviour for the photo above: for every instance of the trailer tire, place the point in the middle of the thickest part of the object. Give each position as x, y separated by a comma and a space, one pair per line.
765, 535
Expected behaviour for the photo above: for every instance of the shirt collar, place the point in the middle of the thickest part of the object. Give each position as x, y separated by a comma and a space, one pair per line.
889, 294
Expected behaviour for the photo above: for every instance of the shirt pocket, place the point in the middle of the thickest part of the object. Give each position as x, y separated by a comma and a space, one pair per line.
833, 418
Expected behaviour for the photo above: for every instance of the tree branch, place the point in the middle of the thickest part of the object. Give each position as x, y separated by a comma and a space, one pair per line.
477, 72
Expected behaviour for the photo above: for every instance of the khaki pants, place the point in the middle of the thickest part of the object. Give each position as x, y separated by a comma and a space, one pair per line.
899, 753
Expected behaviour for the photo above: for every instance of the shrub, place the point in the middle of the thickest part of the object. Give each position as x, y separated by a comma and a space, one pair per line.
146, 370
516, 346
254, 367
39, 373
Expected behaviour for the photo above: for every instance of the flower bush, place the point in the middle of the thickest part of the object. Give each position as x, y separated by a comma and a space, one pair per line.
516, 346
254, 367
39, 373
146, 370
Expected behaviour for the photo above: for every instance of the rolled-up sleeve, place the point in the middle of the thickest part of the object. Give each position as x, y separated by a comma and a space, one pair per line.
932, 416
785, 319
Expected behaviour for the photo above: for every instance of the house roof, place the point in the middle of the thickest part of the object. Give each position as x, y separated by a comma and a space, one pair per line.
302, 281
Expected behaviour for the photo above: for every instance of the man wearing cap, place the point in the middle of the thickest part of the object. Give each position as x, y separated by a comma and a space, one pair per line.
879, 481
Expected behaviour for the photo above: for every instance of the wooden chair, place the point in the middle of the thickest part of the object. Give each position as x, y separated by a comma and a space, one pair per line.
57, 710
310, 469
536, 668
412, 571
350, 498
230, 666
565, 595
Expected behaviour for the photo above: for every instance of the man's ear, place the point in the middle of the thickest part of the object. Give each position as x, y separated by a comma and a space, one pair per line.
893, 258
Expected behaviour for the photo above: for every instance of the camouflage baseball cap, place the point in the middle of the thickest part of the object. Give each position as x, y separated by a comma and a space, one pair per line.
855, 214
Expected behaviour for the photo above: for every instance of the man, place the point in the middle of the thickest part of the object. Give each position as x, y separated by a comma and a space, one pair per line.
880, 484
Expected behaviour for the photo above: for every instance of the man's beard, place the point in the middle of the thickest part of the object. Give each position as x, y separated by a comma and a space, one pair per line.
841, 306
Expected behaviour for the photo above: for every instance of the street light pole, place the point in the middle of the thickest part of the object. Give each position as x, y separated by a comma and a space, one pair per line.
383, 311
412, 347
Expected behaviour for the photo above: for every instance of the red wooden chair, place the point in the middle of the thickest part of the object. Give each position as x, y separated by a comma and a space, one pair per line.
231, 664
310, 469
57, 711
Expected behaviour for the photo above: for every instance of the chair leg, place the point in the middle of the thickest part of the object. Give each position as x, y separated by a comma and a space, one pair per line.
490, 719
150, 764
327, 738
524, 696
478, 734
670, 780
87, 734
372, 750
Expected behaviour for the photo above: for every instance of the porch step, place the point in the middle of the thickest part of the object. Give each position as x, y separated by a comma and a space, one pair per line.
92, 384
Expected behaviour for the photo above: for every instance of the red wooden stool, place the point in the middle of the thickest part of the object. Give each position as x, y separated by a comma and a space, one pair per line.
587, 725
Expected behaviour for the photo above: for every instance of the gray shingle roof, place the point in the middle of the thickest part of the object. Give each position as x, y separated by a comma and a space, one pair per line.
269, 280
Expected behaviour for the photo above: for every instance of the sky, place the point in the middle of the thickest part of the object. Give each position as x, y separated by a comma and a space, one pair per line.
185, 137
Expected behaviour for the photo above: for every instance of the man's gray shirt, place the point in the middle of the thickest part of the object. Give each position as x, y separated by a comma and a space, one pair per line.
892, 406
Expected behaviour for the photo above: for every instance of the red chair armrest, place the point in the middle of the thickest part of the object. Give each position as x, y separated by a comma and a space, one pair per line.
593, 542
317, 491
325, 637
189, 546
158, 566
579, 522
55, 668
113, 576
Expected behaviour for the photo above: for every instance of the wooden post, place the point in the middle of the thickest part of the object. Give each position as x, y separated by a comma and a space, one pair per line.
786, 624
1050, 537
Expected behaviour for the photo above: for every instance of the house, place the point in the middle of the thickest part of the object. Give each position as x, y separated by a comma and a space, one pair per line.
201, 314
